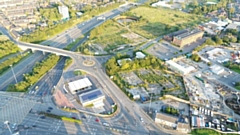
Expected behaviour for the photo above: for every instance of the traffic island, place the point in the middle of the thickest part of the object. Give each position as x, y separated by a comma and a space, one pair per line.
88, 63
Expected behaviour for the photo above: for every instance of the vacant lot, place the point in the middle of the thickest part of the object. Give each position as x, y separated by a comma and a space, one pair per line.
159, 21
108, 35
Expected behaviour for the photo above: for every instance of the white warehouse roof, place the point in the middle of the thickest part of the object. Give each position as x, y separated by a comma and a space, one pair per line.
140, 55
79, 84
216, 69
182, 69
215, 51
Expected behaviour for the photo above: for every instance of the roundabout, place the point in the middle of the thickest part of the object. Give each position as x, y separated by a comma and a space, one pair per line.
88, 63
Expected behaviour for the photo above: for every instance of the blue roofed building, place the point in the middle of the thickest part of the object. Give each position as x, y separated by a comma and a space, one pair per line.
94, 97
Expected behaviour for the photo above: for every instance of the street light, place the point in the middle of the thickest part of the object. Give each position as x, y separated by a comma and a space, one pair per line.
7, 123
13, 74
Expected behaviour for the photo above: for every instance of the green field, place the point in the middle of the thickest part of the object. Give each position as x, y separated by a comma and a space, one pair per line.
108, 35
159, 21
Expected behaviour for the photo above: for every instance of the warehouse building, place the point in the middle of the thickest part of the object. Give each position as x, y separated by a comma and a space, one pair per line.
184, 37
217, 69
79, 85
93, 97
179, 68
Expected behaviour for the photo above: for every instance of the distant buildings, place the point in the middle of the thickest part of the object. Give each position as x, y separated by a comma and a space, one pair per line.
63, 10
184, 37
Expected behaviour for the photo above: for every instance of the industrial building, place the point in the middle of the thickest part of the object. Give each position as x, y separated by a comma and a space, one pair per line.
179, 68
217, 69
63, 10
165, 119
184, 37
93, 97
79, 85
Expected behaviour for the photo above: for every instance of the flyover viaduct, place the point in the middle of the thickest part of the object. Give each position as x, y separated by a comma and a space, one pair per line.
45, 49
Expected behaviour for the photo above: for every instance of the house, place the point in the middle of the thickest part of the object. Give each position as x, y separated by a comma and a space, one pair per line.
165, 119
232, 26
120, 61
183, 127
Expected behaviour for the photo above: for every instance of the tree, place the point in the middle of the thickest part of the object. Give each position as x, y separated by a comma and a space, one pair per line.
218, 40
196, 58
195, 3
231, 10
233, 39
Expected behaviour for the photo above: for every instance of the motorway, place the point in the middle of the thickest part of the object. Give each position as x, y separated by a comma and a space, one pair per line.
129, 110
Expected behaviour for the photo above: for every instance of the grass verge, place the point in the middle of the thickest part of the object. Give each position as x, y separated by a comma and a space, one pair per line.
205, 131
79, 72
62, 118
68, 62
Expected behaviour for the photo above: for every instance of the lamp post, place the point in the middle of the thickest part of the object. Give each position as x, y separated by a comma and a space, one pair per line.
13, 74
7, 124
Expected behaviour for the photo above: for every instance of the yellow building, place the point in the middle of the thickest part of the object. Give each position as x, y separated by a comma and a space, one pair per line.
187, 37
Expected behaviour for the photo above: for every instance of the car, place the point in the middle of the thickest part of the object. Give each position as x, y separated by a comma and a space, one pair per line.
73, 117
34, 125
48, 111
42, 117
97, 120
50, 108
84, 117
13, 126
105, 124
141, 119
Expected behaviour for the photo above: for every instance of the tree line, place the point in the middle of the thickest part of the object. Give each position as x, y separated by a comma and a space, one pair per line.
37, 72
7, 48
203, 9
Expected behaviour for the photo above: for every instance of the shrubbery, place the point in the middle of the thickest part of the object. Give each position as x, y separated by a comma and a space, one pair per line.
7, 48
38, 71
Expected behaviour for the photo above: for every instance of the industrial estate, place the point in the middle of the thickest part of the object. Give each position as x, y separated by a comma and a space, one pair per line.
142, 67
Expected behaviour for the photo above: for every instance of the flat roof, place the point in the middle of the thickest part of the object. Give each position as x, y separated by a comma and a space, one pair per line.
79, 84
166, 117
140, 55
91, 95
179, 67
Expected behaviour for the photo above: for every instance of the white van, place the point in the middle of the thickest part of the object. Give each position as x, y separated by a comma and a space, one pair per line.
105, 124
